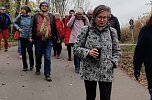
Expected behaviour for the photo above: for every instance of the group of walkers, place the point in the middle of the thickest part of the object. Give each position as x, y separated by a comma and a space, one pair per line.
94, 37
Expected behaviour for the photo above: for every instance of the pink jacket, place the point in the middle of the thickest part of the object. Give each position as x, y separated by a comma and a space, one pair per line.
76, 29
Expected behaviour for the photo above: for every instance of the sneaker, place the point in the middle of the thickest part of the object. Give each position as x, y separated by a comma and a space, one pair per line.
31, 68
69, 59
20, 57
48, 78
5, 50
77, 71
58, 57
24, 69
37, 73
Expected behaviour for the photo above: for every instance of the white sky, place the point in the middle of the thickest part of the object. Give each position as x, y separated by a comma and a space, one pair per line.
125, 9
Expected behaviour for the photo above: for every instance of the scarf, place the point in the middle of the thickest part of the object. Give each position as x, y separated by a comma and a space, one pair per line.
44, 29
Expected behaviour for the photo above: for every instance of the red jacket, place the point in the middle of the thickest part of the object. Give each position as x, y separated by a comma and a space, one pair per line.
67, 30
60, 27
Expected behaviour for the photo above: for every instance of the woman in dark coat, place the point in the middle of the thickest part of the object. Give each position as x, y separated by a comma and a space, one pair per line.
143, 54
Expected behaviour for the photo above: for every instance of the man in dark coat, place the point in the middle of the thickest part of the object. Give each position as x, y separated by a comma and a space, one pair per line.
143, 54
5, 21
113, 20
44, 30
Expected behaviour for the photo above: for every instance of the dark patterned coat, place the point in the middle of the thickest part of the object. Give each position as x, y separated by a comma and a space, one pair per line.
91, 69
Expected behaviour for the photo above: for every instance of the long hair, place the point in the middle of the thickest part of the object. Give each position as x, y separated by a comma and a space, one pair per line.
149, 22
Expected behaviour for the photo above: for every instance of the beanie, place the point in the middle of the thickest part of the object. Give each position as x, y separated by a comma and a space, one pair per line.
43, 3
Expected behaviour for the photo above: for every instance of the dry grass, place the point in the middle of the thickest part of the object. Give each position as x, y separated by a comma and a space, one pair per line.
126, 64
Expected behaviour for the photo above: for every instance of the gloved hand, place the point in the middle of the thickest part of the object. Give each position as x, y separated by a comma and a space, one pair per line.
137, 74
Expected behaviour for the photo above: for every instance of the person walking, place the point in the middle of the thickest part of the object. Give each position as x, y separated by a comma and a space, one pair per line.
114, 22
90, 15
98, 48
5, 22
57, 47
143, 54
76, 22
18, 40
44, 31
67, 33
22, 24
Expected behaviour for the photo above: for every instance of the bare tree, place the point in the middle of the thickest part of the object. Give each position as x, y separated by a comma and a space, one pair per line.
85, 4
63, 6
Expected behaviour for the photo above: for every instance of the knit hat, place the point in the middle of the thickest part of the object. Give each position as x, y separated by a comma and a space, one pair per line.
26, 8
43, 3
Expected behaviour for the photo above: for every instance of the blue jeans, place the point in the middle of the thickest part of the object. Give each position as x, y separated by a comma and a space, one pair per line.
19, 47
77, 62
43, 47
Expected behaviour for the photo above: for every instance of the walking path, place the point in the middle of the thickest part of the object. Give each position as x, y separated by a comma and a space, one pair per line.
66, 85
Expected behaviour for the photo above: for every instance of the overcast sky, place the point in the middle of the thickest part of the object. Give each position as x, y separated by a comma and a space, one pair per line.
125, 9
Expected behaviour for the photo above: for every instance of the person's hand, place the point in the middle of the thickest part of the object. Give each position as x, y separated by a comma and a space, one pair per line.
58, 41
73, 14
137, 74
30, 40
84, 16
94, 53
20, 30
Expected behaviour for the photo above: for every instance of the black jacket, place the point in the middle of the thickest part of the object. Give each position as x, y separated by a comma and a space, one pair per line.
5, 20
143, 52
115, 24
54, 31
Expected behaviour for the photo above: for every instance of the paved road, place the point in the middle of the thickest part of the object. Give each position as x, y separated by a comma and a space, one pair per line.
66, 85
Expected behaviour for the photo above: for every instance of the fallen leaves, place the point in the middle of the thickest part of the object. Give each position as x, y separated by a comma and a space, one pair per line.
126, 64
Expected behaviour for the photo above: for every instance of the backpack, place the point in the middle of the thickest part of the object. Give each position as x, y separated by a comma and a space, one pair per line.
87, 34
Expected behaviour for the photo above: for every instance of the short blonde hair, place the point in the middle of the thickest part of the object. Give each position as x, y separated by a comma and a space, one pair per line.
90, 11
79, 10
